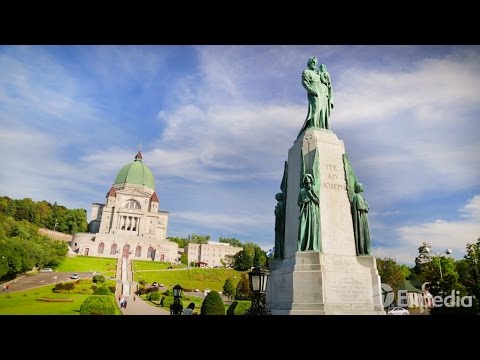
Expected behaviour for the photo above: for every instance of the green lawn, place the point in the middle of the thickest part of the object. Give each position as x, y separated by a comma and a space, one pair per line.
27, 303
106, 266
153, 265
194, 278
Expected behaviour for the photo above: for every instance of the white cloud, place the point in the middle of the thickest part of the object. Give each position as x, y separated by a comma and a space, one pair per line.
225, 143
241, 223
440, 234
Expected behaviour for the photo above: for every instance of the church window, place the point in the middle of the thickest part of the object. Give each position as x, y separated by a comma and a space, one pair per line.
132, 204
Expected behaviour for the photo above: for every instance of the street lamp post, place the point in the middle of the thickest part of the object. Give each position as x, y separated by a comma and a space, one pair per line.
258, 285
446, 252
176, 308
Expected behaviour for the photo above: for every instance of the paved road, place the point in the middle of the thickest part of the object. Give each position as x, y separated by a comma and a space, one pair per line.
28, 282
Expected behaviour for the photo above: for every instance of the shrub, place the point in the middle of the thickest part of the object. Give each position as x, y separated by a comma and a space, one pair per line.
98, 279
98, 305
69, 286
167, 301
102, 290
212, 304
112, 289
154, 296
239, 307
59, 287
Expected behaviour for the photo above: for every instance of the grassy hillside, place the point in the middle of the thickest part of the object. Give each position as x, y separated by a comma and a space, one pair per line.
106, 266
193, 278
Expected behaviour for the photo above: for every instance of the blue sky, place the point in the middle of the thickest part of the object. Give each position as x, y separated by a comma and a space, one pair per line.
216, 122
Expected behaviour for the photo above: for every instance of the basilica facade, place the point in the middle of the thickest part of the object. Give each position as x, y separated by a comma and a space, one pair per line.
129, 223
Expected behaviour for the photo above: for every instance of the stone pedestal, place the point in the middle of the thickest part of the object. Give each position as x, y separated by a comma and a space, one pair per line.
334, 280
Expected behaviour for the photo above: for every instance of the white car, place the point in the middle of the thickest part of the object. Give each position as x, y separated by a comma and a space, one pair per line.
74, 276
46, 270
398, 311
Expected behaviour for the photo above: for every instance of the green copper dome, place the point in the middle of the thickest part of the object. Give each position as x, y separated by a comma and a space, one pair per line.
136, 173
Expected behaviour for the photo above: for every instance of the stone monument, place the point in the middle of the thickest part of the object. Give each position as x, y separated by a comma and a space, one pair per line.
325, 266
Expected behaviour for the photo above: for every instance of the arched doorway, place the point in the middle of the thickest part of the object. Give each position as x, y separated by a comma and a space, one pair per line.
101, 247
138, 251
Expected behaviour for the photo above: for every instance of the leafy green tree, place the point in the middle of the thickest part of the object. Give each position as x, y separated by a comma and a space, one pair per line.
229, 288
7, 206
243, 288
249, 248
260, 257
212, 304
391, 273
422, 271
469, 273
199, 239
405, 270
184, 258
182, 242
230, 241
242, 261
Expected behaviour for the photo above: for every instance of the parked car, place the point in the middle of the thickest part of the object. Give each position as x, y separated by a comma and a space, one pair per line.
46, 270
398, 311
74, 276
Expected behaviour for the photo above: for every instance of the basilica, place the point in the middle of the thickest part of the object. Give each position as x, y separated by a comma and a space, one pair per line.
129, 223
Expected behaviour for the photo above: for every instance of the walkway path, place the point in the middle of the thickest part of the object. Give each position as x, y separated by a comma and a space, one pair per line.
127, 287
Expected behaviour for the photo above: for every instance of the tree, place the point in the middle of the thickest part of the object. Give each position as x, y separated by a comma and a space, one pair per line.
260, 257
469, 273
199, 239
182, 242
243, 288
242, 261
230, 241
405, 270
184, 258
212, 304
229, 288
391, 273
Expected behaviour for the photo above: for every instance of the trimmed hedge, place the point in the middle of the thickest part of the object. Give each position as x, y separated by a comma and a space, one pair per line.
98, 305
213, 304
102, 290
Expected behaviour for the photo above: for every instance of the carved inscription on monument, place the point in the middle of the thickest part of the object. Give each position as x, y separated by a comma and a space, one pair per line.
347, 288
333, 177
